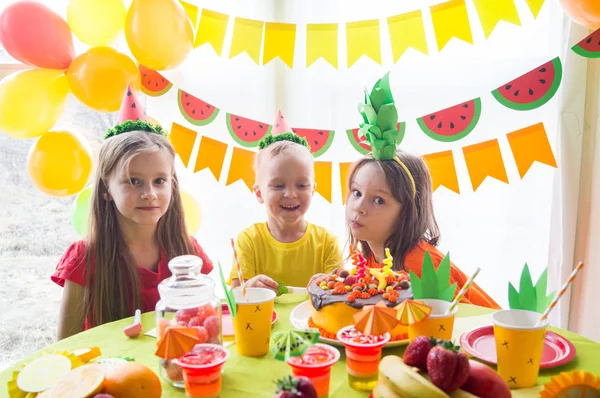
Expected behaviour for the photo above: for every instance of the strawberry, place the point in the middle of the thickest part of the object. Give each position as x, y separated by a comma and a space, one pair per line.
295, 387
416, 352
447, 367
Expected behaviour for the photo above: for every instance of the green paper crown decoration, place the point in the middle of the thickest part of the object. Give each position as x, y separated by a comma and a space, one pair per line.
229, 297
433, 284
380, 120
271, 139
138, 125
530, 297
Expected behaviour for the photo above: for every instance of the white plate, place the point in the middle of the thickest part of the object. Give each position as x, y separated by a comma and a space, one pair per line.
299, 319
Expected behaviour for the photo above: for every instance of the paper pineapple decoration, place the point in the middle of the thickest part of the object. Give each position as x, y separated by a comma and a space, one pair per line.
433, 284
530, 297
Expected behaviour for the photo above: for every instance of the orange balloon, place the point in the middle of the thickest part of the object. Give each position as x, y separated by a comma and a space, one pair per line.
159, 33
583, 12
59, 163
99, 78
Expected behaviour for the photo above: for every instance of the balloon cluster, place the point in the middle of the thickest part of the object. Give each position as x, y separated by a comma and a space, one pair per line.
160, 36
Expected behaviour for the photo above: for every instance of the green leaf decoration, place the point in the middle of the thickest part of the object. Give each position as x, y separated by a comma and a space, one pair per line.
229, 297
380, 118
292, 343
530, 297
433, 284
281, 288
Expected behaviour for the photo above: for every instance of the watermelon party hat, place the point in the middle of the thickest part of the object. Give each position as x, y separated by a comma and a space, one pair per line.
131, 108
281, 126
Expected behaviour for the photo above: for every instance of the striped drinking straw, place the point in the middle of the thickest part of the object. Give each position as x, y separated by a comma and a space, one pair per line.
239, 269
462, 291
562, 291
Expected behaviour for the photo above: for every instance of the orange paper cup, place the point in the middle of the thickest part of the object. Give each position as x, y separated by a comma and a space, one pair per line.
438, 324
519, 345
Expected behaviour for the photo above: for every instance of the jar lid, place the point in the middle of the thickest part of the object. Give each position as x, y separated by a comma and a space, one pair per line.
187, 287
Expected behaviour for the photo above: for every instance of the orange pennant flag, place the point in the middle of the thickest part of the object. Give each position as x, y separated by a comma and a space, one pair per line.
183, 140
241, 167
485, 160
529, 145
212, 155
344, 168
323, 172
443, 170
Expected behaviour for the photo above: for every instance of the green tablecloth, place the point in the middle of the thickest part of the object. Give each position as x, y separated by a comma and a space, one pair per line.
254, 377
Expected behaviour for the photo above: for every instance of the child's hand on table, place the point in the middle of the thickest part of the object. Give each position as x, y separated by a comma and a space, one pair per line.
262, 281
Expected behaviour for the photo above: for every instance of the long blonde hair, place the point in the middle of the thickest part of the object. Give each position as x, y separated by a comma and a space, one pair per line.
416, 221
112, 289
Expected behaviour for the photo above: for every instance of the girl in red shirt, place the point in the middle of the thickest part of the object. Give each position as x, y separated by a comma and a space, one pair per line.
136, 226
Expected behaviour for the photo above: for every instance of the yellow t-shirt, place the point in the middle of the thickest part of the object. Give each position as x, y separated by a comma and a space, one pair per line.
318, 251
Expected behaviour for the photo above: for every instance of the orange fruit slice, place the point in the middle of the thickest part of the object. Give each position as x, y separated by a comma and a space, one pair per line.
82, 382
411, 312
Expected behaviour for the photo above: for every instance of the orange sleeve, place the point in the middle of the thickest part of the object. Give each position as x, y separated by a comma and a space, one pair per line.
475, 295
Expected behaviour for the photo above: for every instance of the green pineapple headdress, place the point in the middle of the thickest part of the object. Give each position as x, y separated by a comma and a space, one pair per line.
380, 124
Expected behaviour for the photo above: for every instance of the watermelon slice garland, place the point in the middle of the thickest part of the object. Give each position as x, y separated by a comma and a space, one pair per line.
533, 89
246, 132
452, 124
589, 47
194, 110
153, 83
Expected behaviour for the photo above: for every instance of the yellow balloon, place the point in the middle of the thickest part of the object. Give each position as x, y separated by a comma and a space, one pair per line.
31, 101
99, 78
96, 22
192, 212
59, 163
159, 33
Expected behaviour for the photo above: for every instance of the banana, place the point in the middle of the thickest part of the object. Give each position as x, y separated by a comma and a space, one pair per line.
405, 381
383, 390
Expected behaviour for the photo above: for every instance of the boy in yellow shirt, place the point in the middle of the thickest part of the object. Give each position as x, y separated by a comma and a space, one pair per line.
286, 247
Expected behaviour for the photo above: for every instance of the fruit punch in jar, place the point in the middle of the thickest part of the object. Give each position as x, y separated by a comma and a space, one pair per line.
316, 363
202, 370
363, 354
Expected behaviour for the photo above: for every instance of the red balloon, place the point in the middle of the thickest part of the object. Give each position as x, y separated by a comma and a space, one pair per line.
34, 34
583, 12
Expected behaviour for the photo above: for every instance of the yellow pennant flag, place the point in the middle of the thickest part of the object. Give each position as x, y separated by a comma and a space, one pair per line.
484, 160
212, 155
192, 11
535, 6
247, 36
443, 170
280, 40
450, 20
492, 12
344, 168
323, 172
183, 140
322, 41
407, 30
362, 38
213, 26
241, 167
529, 145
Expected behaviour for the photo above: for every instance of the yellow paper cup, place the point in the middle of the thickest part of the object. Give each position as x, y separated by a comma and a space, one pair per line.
252, 323
438, 324
519, 346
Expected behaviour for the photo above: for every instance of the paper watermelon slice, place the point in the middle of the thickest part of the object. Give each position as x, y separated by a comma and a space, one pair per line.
194, 110
533, 89
153, 83
590, 46
319, 141
246, 132
452, 124
362, 145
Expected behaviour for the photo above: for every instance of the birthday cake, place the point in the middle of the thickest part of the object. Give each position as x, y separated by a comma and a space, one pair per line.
336, 298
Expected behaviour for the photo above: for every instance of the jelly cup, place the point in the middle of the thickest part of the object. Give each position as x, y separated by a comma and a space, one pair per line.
202, 370
363, 354
316, 363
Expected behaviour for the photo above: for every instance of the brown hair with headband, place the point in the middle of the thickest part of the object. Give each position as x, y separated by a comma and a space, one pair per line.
416, 220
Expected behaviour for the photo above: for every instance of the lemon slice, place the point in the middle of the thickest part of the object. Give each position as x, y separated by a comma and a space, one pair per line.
43, 373
83, 382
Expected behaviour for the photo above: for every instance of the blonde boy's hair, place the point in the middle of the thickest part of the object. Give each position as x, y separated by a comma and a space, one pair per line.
276, 149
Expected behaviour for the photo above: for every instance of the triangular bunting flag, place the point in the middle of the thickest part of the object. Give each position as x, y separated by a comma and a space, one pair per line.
344, 168
450, 19
241, 167
535, 6
492, 12
529, 145
211, 155
406, 31
443, 170
213, 26
280, 40
362, 38
323, 172
183, 140
322, 42
485, 160
247, 37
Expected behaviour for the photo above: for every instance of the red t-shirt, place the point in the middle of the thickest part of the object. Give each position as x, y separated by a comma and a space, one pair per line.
72, 267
